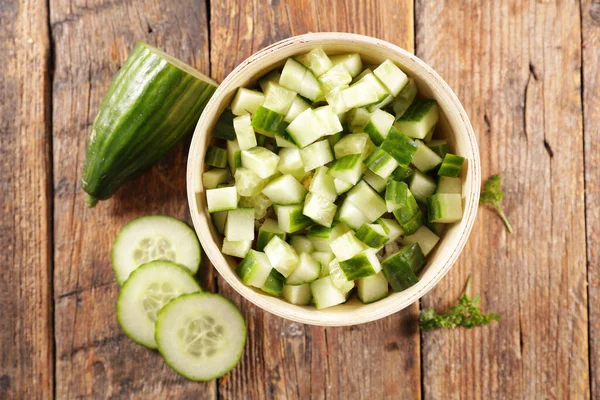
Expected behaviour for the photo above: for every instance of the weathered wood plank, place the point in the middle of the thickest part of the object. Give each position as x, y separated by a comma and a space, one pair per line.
284, 359
92, 39
516, 68
26, 344
590, 16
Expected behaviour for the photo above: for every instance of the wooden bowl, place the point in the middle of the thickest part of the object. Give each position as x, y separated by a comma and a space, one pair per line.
454, 124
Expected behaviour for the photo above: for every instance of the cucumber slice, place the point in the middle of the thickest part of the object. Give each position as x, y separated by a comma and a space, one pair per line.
358, 119
424, 237
201, 335
350, 215
329, 120
282, 256
307, 271
346, 246
372, 288
405, 98
375, 181
424, 158
419, 118
391, 76
298, 294
445, 207
224, 127
297, 107
211, 179
317, 61
244, 132
247, 183
402, 173
148, 289
302, 244
451, 165
246, 101
266, 121
267, 230
342, 186
379, 125
298, 78
352, 62
323, 184
285, 190
234, 155
448, 184
326, 294
373, 235
407, 211
236, 248
381, 163
400, 269
254, 269
240, 224
216, 157
274, 283
392, 229
367, 201
221, 199
421, 186
335, 77
260, 203
278, 98
291, 219
361, 265
319, 209
354, 143
316, 155
348, 168
219, 219
306, 128
338, 278
399, 146
260, 160
439, 147
290, 162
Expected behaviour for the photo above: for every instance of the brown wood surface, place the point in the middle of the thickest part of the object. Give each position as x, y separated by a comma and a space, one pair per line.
527, 74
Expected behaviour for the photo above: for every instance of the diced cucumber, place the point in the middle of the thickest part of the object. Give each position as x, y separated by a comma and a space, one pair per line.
321, 236
379, 125
266, 121
272, 77
399, 146
375, 181
367, 201
391, 76
221, 199
211, 179
334, 78
405, 98
326, 294
297, 294
419, 118
400, 269
329, 119
448, 184
147, 290
307, 271
244, 132
424, 158
219, 219
281, 142
290, 162
429, 135
316, 155
346, 246
324, 258
298, 78
445, 207
323, 184
302, 244
373, 235
298, 105
358, 95
291, 219
237, 248
246, 101
407, 211
392, 229
402, 173
354, 143
381, 163
285, 190
224, 127
342, 186
335, 100
247, 183
260, 203
337, 276
451, 165
348, 168
374, 85
357, 119
240, 224
306, 128
254, 269
421, 186
395, 195
372, 288
352, 216
352, 62
319, 209
361, 265
201, 354
282, 256
216, 157
267, 230
317, 61
278, 98
234, 155
260, 160
439, 147
424, 237
274, 283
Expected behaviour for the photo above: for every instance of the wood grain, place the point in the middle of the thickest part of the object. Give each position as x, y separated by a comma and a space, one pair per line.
91, 40
26, 344
299, 361
590, 16
516, 68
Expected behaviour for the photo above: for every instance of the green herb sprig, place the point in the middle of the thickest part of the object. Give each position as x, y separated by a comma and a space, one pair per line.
466, 314
492, 196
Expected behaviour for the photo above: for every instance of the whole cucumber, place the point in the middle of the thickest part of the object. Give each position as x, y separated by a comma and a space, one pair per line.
153, 102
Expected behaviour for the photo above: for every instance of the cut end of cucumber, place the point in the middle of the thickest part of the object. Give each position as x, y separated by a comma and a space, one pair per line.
90, 200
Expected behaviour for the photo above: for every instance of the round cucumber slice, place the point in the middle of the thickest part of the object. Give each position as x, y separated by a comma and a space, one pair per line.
155, 237
201, 335
144, 294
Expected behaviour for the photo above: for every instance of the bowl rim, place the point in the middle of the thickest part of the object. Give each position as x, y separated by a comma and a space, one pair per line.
297, 313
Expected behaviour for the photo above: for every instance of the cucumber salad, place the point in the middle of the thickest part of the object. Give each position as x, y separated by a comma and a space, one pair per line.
329, 176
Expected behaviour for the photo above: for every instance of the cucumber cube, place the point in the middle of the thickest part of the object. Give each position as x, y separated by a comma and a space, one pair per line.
282, 256
348, 168
216, 157
375, 181
379, 125
373, 235
234, 155
342, 186
244, 132
298, 78
421, 186
240, 224
290, 162
298, 105
405, 98
323, 184
281, 142
254, 269
372, 288
400, 269
236, 248
221, 199
329, 120
211, 179
285, 190
358, 95
350, 215
374, 85
302, 244
307, 271
278, 98
291, 218
439, 147
316, 155
260, 160
445, 207
448, 184
337, 276
260, 203
381, 163
247, 183
297, 294
272, 77
354, 143
357, 119
246, 101
266, 121
419, 118
451, 165
361, 265
352, 62
326, 294
317, 61
335, 100
268, 229
335, 77
399, 146
219, 219
306, 128
391, 76
406, 210
324, 258
367, 201
424, 237
424, 158
402, 173
319, 209
392, 229
274, 283
346, 246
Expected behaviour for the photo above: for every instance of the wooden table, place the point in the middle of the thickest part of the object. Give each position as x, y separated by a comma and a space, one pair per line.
527, 73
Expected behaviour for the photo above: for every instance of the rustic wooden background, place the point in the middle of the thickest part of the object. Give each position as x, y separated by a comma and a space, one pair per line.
527, 73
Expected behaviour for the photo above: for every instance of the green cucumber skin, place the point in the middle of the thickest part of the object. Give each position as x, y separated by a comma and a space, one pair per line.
401, 268
355, 268
369, 237
224, 127
451, 165
274, 283
399, 146
150, 106
417, 110
216, 157
266, 121
265, 237
408, 215
402, 173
